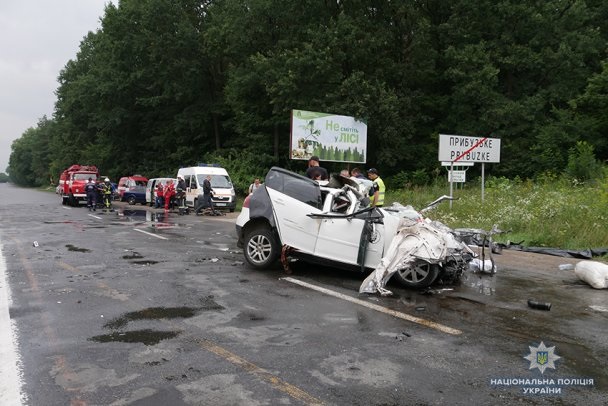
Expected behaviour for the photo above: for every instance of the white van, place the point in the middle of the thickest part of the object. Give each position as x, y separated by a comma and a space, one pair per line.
224, 196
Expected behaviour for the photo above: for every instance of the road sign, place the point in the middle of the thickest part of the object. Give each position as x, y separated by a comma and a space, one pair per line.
458, 163
458, 148
457, 176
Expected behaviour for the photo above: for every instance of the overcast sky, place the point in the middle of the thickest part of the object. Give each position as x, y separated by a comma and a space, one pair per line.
37, 38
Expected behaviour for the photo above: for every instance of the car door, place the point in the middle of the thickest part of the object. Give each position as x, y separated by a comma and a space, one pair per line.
192, 191
340, 238
293, 198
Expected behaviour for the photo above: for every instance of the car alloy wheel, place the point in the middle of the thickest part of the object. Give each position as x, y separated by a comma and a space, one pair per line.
420, 275
261, 248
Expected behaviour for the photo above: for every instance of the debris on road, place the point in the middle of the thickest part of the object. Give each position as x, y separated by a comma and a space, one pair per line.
429, 291
539, 305
487, 266
593, 272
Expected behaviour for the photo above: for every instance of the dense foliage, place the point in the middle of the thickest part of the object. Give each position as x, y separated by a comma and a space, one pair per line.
164, 84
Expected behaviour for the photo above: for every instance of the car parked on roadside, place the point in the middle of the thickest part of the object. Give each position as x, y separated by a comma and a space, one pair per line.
224, 196
132, 189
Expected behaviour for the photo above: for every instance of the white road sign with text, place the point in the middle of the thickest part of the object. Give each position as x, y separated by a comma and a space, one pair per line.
457, 176
475, 149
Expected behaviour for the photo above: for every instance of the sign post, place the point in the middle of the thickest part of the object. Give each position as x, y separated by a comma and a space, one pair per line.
458, 150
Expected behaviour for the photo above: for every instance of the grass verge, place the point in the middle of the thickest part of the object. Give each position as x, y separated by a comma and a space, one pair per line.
558, 214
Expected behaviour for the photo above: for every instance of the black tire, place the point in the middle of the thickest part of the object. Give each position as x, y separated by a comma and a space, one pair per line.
231, 210
131, 200
420, 275
260, 247
72, 201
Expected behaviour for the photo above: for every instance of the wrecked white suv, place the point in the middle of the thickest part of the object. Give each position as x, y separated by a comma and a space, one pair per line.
293, 217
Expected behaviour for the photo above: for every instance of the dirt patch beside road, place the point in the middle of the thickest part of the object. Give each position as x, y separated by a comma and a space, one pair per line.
522, 260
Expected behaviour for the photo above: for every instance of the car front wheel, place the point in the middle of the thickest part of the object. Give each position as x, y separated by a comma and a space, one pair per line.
131, 200
419, 275
260, 247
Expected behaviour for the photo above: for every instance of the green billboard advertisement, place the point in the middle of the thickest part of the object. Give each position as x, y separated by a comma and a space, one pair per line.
329, 136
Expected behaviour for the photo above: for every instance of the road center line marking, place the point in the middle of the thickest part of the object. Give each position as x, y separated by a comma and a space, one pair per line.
94, 216
273, 380
404, 316
153, 235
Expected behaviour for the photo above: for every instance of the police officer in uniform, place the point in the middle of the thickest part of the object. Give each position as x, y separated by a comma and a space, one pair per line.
376, 192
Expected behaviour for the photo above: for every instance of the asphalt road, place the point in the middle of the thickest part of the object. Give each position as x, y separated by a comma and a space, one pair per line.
139, 307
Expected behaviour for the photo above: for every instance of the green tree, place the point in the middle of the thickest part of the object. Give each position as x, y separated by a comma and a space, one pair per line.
29, 161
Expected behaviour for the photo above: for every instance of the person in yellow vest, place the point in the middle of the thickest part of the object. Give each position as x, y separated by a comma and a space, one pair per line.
377, 190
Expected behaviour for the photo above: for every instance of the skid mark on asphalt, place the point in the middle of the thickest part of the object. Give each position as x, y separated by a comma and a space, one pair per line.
287, 388
404, 316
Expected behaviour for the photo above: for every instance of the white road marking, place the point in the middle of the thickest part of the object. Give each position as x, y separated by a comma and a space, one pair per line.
67, 208
10, 366
404, 316
153, 235
94, 216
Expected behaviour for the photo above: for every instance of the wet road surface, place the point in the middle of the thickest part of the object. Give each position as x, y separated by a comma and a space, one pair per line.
145, 308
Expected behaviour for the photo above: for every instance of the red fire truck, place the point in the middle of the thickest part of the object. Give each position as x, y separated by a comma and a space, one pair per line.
72, 181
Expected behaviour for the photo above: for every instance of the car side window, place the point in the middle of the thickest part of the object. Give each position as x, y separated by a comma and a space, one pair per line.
301, 189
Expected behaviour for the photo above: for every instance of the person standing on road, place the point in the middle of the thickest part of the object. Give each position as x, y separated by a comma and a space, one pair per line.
204, 201
160, 192
106, 191
91, 190
256, 184
315, 171
378, 189
168, 194
180, 192
207, 192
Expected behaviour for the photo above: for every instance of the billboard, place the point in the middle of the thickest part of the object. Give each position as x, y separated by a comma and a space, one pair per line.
329, 136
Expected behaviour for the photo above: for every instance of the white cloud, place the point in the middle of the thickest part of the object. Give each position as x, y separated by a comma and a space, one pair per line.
37, 38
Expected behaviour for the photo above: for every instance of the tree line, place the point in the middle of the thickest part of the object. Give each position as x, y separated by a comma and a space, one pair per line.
164, 84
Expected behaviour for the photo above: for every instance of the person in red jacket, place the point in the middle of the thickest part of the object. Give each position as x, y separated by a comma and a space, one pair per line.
169, 193
160, 193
